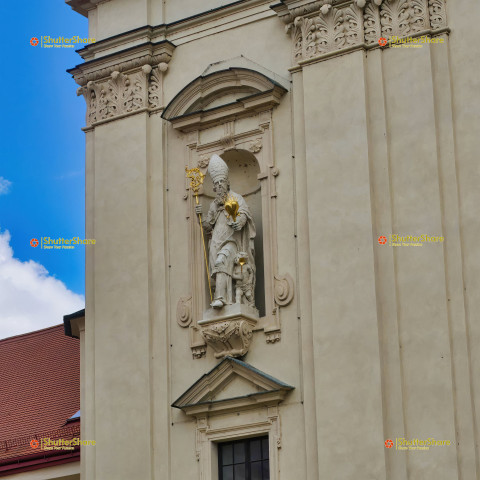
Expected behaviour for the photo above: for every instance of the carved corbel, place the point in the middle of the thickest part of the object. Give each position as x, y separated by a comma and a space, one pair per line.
229, 338
228, 142
199, 351
273, 337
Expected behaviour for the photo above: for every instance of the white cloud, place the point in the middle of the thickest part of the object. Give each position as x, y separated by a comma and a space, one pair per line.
30, 299
4, 186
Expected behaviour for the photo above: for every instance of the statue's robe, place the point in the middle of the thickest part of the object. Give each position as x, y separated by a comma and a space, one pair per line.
229, 242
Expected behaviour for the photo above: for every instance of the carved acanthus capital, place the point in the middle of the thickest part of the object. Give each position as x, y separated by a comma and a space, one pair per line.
123, 83
329, 27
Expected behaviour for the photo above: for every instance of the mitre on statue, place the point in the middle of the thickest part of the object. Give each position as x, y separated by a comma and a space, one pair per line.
217, 168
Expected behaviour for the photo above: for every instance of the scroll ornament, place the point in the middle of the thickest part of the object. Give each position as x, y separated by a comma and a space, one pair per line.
283, 289
184, 311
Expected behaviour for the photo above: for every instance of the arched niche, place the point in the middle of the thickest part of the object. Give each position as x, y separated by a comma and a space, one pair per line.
243, 169
228, 112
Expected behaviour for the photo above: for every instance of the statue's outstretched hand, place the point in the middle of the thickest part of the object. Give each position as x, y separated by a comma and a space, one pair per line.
198, 209
239, 223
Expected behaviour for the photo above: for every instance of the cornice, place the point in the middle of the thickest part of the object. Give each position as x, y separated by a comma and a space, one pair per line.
195, 25
135, 57
84, 6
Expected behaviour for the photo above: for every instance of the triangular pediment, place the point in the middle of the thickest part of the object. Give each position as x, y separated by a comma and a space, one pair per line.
231, 385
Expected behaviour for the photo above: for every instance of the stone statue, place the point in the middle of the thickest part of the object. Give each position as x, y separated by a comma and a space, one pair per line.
229, 234
244, 279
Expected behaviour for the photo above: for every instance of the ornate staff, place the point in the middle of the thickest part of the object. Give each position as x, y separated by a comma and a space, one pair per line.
196, 181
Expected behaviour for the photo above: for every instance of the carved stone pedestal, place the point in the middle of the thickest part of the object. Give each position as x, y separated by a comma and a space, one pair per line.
229, 330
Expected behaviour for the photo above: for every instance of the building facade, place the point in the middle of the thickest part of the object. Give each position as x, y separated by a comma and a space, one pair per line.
350, 128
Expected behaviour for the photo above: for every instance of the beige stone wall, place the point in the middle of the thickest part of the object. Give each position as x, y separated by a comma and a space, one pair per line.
379, 341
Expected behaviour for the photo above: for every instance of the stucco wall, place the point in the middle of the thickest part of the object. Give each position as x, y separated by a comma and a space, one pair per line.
380, 341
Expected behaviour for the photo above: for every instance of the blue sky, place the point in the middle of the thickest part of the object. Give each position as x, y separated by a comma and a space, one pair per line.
42, 154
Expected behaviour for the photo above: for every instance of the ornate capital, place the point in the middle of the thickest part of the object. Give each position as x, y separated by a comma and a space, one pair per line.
324, 28
123, 83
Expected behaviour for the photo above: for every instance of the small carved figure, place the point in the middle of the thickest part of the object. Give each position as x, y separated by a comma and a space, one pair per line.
243, 275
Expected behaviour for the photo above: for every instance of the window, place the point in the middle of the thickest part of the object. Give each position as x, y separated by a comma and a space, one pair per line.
244, 459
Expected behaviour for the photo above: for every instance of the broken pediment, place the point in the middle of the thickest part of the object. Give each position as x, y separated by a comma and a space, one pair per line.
218, 96
232, 385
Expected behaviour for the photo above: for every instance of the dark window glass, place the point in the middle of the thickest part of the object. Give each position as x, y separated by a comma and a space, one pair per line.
227, 473
239, 449
244, 459
240, 472
256, 450
256, 469
227, 454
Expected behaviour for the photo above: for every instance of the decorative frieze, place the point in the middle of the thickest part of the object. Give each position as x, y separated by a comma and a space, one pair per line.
329, 27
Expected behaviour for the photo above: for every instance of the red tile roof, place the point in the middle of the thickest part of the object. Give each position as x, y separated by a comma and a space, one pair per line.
39, 388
